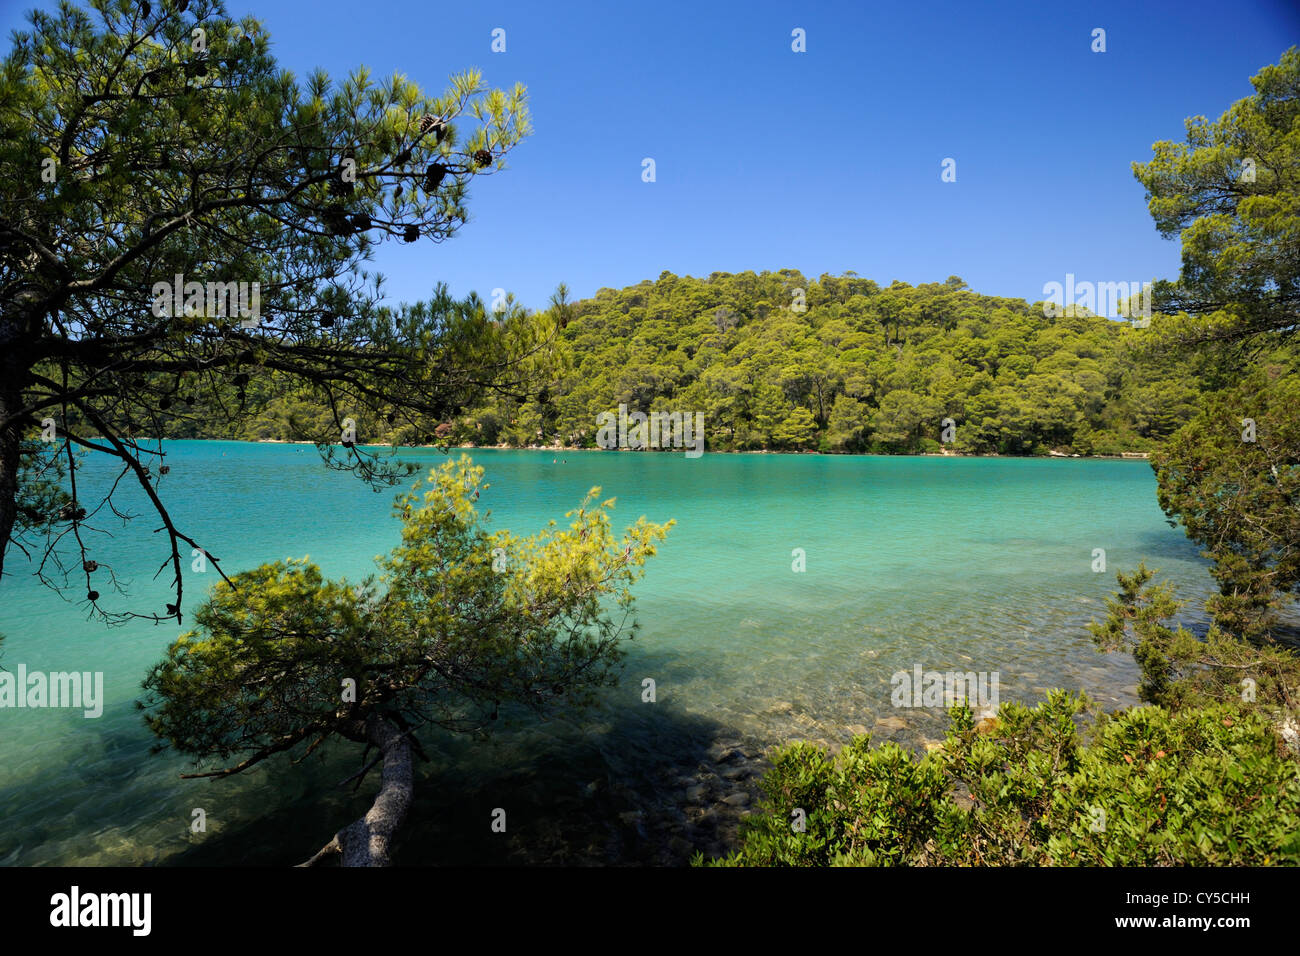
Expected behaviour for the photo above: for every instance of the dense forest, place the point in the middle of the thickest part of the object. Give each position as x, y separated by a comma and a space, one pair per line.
837, 364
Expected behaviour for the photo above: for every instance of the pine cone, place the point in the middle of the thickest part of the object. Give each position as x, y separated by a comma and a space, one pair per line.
482, 158
336, 221
402, 158
326, 321
428, 122
340, 184
411, 234
433, 177
361, 222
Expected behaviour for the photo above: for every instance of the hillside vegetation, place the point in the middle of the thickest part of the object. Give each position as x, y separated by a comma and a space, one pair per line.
837, 364
859, 368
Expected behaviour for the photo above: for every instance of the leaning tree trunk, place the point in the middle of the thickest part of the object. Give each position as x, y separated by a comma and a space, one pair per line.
368, 841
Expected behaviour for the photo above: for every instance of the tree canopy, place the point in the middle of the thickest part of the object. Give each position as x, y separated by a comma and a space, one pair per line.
854, 367
460, 622
179, 216
1232, 193
859, 368
1231, 475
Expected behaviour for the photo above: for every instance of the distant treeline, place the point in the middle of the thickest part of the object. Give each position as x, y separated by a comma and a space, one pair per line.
837, 364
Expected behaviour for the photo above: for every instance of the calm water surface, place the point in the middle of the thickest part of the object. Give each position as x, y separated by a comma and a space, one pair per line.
949, 563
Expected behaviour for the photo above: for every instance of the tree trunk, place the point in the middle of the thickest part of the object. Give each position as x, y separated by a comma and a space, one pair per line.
368, 841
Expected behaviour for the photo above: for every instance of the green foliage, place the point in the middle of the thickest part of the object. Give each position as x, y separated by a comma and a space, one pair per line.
1232, 193
1145, 787
859, 369
1235, 487
1231, 477
142, 142
1180, 669
461, 621
42, 502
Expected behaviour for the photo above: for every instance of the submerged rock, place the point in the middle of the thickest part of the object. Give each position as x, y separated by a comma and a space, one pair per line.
708, 820
982, 713
987, 725
724, 752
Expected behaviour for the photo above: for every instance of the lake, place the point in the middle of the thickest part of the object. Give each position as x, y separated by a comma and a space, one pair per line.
947, 564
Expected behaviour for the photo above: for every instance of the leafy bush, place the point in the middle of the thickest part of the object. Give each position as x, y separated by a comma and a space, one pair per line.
1205, 787
1181, 669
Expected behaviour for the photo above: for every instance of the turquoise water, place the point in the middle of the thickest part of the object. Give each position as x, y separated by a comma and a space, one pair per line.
947, 563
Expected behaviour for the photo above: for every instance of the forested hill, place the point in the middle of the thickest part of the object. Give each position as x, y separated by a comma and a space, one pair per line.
858, 368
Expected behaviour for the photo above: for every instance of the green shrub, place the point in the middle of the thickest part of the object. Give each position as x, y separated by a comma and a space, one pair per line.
1181, 669
1205, 787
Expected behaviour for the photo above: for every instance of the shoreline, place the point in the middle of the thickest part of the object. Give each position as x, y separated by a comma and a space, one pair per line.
1122, 456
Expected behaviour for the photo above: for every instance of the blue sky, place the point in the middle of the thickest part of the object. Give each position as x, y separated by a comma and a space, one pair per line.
823, 161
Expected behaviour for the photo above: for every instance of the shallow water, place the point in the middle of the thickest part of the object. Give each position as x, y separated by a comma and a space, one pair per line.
947, 563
